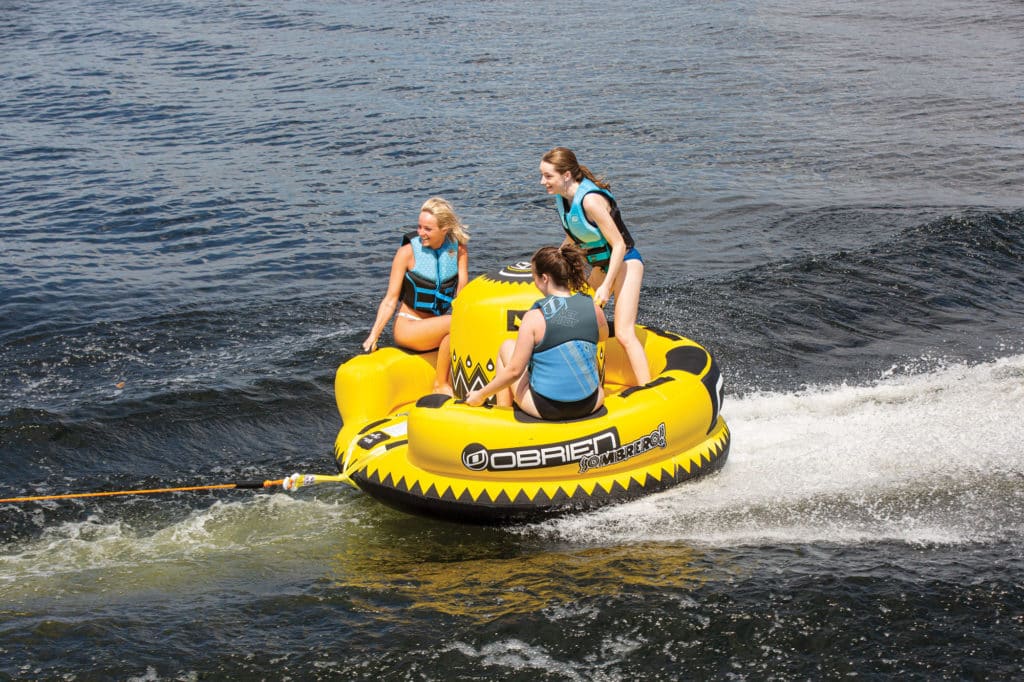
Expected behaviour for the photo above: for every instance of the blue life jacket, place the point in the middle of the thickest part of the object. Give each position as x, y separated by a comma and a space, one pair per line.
584, 231
564, 364
434, 279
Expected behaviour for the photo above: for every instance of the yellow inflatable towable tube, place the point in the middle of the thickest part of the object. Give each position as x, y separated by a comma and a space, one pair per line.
433, 455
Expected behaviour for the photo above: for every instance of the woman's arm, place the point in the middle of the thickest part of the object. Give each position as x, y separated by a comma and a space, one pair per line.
602, 324
386, 310
510, 371
598, 210
463, 268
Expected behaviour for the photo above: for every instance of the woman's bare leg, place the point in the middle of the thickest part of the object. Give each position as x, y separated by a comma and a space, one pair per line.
442, 382
421, 335
627, 303
520, 390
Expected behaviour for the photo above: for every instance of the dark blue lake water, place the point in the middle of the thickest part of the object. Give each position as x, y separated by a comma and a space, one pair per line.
200, 203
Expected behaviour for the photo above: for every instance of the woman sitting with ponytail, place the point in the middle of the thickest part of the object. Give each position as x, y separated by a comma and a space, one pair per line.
551, 369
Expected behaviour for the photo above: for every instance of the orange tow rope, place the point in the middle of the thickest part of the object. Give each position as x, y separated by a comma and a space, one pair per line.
219, 486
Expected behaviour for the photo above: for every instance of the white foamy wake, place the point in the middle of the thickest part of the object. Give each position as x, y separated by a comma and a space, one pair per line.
262, 537
929, 458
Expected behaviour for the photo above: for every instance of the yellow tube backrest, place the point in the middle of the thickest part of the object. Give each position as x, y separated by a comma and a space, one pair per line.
487, 311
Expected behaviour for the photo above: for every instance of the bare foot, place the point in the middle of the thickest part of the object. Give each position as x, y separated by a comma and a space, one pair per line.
445, 389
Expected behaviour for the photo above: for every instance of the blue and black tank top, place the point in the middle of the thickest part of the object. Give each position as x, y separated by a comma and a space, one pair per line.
583, 231
564, 364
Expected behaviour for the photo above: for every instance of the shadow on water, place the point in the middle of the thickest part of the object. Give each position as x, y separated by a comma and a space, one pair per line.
482, 575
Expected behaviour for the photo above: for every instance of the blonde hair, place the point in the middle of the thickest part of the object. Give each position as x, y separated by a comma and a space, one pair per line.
563, 159
446, 218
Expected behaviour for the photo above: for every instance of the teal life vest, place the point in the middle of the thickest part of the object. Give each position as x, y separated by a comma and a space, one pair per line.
583, 231
431, 284
564, 364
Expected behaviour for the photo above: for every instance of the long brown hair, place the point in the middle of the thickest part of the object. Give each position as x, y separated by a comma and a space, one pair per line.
566, 265
563, 159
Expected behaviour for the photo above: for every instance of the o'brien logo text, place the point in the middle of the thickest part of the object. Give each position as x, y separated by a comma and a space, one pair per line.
479, 458
591, 452
655, 439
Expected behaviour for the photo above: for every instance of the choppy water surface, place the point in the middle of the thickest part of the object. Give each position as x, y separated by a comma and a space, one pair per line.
200, 204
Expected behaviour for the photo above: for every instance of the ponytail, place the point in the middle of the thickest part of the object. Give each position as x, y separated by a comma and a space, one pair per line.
566, 265
564, 159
